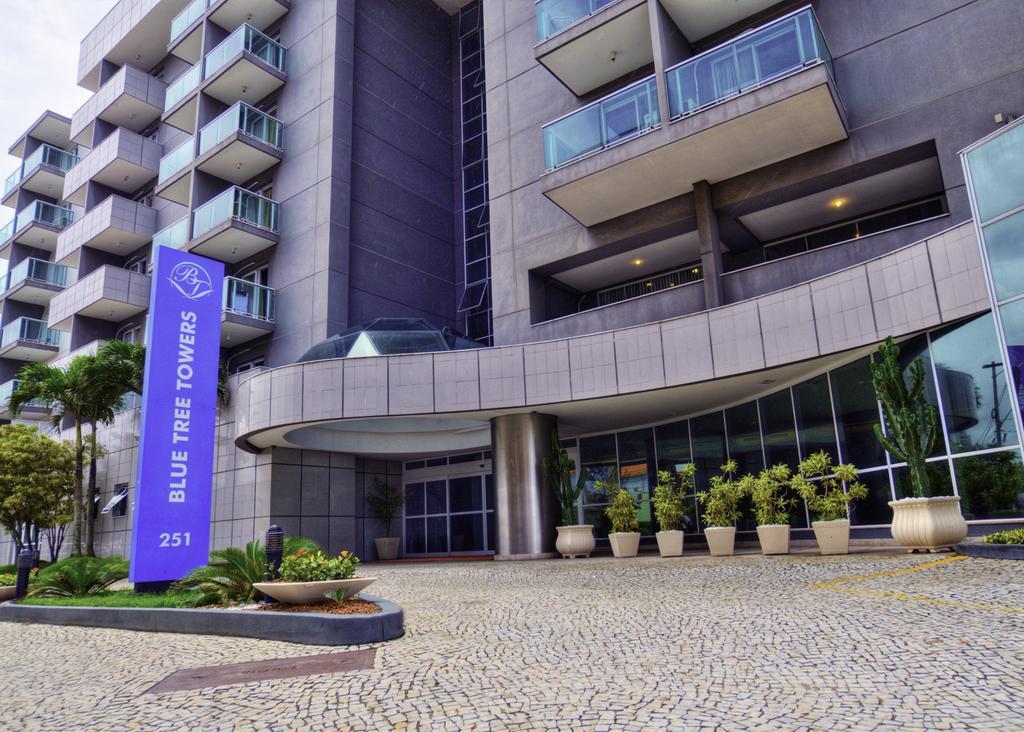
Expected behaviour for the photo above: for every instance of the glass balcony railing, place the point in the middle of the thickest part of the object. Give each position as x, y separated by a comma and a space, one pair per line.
248, 298
11, 182
761, 56
238, 204
60, 217
618, 117
31, 330
182, 86
7, 231
176, 160
241, 118
245, 38
554, 16
38, 270
192, 12
8, 388
42, 155
173, 236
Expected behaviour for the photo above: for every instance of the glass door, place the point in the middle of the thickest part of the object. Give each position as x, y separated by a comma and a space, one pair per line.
449, 516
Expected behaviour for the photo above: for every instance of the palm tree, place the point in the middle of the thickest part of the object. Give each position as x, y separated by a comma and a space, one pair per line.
128, 362
107, 387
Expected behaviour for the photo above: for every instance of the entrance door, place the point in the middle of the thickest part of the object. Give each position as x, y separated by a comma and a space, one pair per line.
450, 516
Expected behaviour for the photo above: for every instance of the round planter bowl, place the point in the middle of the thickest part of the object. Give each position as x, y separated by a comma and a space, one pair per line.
311, 593
721, 540
575, 541
928, 524
833, 536
7, 592
774, 538
670, 543
387, 547
624, 543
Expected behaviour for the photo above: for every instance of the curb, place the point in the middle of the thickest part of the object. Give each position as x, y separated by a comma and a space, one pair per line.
991, 551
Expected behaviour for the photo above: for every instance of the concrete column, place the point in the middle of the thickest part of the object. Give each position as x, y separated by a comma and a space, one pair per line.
710, 243
527, 510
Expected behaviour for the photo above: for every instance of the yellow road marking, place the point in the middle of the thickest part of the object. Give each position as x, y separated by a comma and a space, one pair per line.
887, 573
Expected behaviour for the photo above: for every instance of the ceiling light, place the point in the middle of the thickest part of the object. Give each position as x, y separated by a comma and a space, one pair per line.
637, 262
649, 284
837, 202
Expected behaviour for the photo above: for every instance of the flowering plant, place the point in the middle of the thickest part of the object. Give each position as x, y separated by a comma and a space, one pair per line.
315, 566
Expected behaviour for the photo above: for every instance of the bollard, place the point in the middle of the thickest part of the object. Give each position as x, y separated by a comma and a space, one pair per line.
275, 550
24, 567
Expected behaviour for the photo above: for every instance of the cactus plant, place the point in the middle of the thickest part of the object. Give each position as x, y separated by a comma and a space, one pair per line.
911, 422
559, 471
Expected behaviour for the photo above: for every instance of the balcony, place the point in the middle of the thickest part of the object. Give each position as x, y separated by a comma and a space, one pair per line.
131, 98
124, 161
174, 181
31, 410
590, 43
35, 281
116, 226
246, 67
181, 100
174, 236
107, 293
762, 98
42, 172
240, 144
260, 14
52, 128
29, 339
233, 226
37, 225
248, 311
186, 32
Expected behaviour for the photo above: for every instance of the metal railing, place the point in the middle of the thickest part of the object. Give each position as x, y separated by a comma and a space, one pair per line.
248, 298
173, 236
245, 38
192, 12
42, 155
618, 117
38, 270
240, 117
645, 286
238, 204
30, 330
176, 160
60, 217
758, 57
182, 86
554, 16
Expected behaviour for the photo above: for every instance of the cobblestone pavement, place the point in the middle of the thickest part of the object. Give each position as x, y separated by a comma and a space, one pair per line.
743, 643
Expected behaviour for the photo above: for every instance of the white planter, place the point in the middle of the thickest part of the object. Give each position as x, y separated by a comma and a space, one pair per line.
928, 523
310, 593
721, 540
625, 543
387, 547
774, 538
833, 536
575, 541
7, 592
670, 543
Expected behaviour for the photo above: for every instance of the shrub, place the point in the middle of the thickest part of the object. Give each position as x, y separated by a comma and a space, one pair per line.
385, 502
669, 496
721, 503
315, 566
769, 490
8, 578
77, 576
821, 485
1011, 536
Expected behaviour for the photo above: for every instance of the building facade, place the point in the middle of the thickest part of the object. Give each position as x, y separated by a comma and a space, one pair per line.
675, 231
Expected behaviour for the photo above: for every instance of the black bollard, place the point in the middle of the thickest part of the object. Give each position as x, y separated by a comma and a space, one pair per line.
275, 551
24, 568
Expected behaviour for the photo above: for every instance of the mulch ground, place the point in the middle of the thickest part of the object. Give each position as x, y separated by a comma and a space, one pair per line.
349, 607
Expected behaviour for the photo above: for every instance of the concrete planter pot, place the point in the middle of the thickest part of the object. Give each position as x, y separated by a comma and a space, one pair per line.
928, 524
833, 536
7, 592
387, 547
311, 593
774, 538
721, 540
625, 543
670, 543
575, 541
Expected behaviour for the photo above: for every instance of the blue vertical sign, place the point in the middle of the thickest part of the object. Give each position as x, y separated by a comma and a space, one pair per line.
174, 484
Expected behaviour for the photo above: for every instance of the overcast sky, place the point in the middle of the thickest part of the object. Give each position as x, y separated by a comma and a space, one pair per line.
39, 42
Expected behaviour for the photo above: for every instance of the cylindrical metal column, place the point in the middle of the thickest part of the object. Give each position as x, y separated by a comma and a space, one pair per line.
527, 510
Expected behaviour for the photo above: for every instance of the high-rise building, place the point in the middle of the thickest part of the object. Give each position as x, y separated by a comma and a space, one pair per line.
672, 231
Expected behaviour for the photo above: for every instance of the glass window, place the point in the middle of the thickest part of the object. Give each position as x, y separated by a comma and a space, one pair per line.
673, 445
708, 434
1012, 315
939, 480
975, 401
467, 532
857, 414
875, 508
437, 534
414, 501
777, 429
437, 501
1005, 255
991, 486
415, 536
997, 172
909, 351
814, 425
636, 465
464, 494
744, 434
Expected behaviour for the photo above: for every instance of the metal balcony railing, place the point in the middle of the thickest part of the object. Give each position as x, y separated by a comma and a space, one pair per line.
245, 38
248, 298
30, 330
240, 117
238, 204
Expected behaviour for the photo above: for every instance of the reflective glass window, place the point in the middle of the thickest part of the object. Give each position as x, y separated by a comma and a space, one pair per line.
909, 351
857, 414
814, 426
778, 432
636, 472
939, 480
991, 486
673, 445
875, 508
1006, 256
997, 173
708, 435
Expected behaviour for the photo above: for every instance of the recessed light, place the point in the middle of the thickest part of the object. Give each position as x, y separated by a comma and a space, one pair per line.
637, 262
837, 202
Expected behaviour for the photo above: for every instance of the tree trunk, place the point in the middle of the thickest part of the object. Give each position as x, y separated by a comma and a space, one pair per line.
90, 503
76, 531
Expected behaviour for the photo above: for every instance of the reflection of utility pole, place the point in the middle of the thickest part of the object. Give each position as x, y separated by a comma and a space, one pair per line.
995, 401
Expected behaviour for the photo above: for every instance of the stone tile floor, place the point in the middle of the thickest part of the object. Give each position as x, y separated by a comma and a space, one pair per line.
742, 643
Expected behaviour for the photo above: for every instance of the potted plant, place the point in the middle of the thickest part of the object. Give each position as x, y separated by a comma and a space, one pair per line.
721, 506
621, 512
574, 540
822, 485
306, 576
669, 506
8, 583
922, 522
385, 502
769, 491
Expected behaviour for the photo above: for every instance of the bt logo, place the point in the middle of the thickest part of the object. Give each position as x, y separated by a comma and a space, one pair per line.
191, 280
